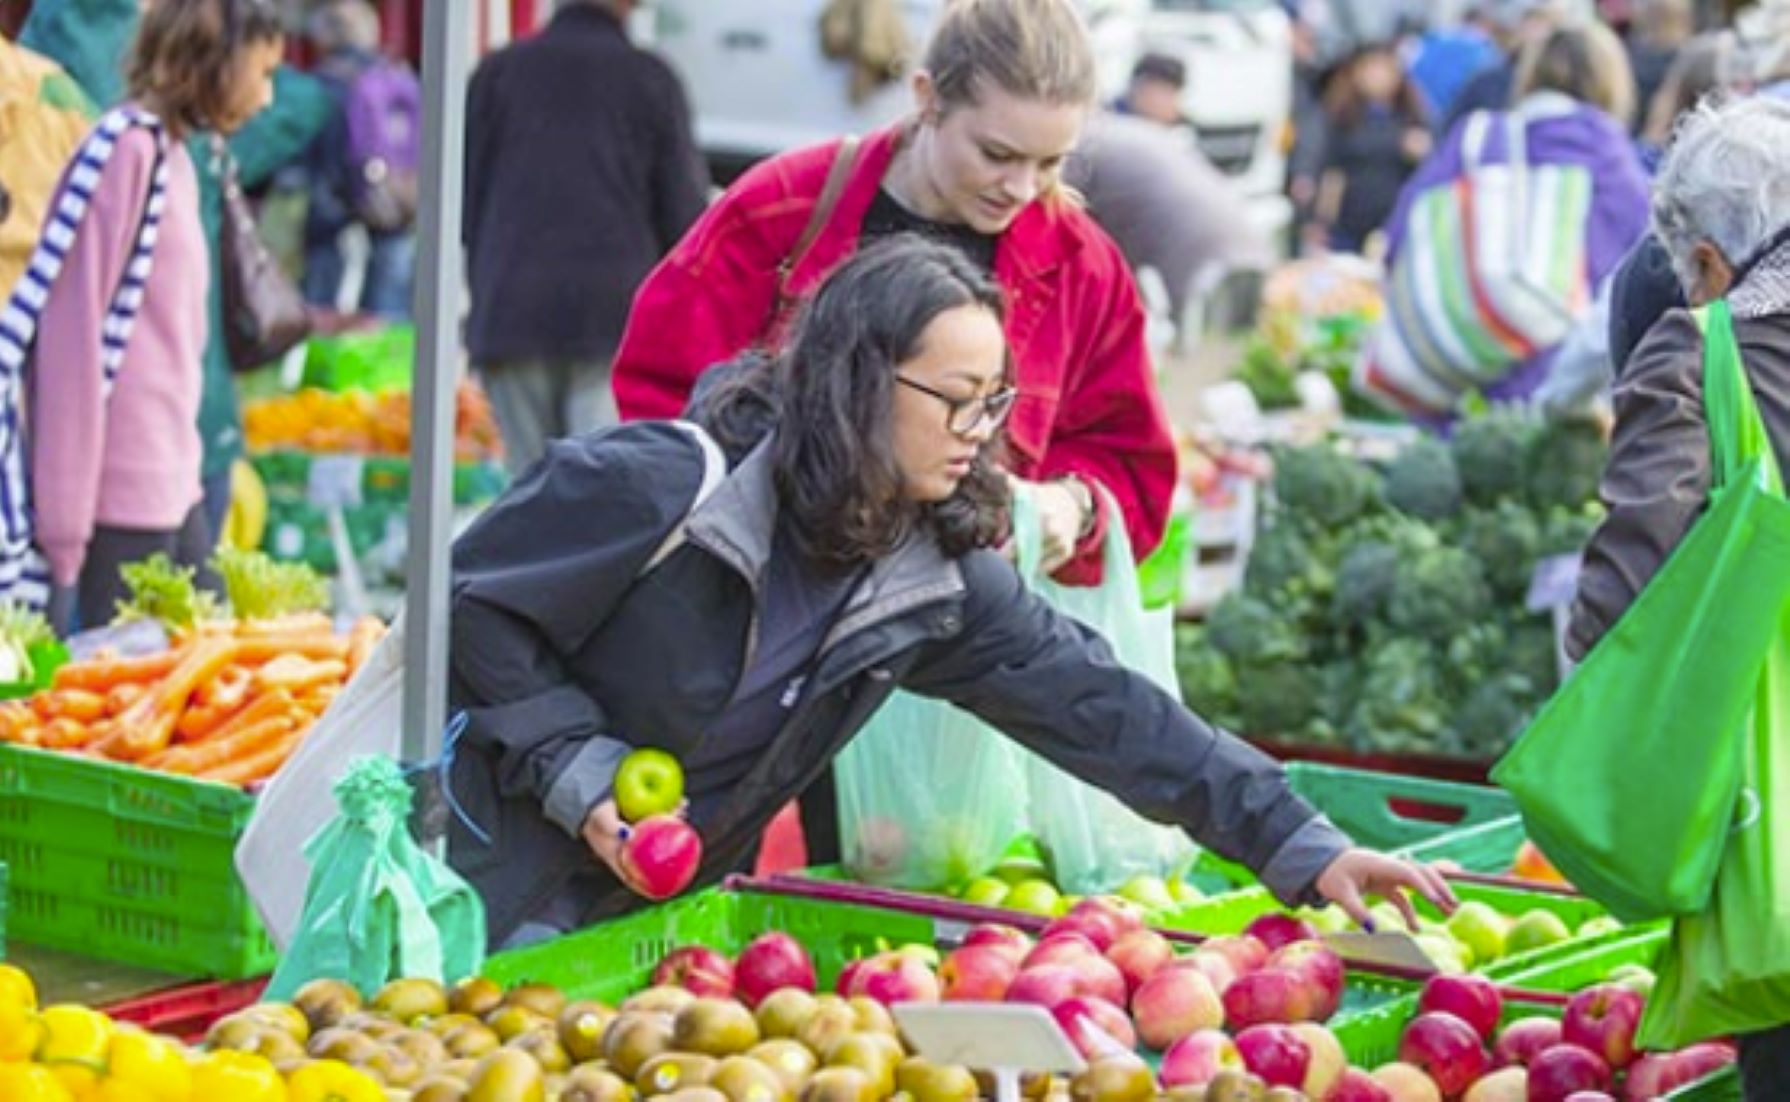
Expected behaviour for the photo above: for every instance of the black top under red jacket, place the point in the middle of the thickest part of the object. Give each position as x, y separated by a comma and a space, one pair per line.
581, 172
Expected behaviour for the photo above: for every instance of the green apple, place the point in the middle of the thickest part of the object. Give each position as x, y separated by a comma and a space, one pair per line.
1327, 920
925, 954
954, 852
1636, 977
1448, 955
1039, 897
1148, 892
1185, 892
1599, 926
1017, 869
1387, 918
649, 782
985, 891
1537, 929
1481, 929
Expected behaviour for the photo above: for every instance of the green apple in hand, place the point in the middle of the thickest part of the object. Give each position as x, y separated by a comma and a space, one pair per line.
649, 782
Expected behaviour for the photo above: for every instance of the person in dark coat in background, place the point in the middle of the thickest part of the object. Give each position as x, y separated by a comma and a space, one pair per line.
848, 551
1376, 134
1514, 24
581, 172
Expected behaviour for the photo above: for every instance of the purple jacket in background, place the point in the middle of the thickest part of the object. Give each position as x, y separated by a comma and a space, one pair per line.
1561, 131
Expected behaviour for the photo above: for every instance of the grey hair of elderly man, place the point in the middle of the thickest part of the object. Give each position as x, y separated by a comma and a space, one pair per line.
1723, 193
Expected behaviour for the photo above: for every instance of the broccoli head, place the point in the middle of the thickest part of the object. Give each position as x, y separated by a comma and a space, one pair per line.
1245, 629
1491, 453
1533, 654
1278, 698
1566, 462
1364, 583
1423, 481
1438, 594
1567, 531
1507, 541
1284, 567
1491, 717
1320, 485
1402, 705
1208, 685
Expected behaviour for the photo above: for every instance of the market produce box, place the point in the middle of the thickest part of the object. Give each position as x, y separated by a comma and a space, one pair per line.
380, 478
125, 864
298, 531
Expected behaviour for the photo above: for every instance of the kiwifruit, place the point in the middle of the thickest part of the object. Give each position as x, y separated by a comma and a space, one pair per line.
873, 1017
394, 1067
510, 1022
926, 1081
326, 1002
406, 1000
669, 1072
474, 1040
346, 1045
439, 1088
475, 995
785, 1011
593, 1084
864, 1052
838, 1085
830, 1024
714, 1027
1114, 1079
743, 1079
581, 1028
544, 1046
425, 1048
507, 1075
663, 999
542, 998
1232, 1085
633, 1039
791, 1061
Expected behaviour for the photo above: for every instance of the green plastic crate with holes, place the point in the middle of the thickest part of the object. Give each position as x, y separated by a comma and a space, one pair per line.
124, 864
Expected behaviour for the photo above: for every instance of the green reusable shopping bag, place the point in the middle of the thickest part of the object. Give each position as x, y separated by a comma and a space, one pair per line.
1727, 968
377, 907
1630, 776
1091, 840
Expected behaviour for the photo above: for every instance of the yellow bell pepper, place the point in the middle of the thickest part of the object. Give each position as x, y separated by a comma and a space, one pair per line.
236, 1077
76, 1040
333, 1081
155, 1065
31, 1083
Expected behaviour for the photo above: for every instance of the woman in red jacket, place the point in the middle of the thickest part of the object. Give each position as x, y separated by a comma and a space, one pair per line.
1000, 101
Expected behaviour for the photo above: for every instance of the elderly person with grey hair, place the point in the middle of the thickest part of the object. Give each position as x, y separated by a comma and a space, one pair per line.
1721, 208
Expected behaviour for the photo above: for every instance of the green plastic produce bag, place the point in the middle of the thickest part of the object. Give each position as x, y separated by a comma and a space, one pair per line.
377, 907
1092, 841
1727, 968
1631, 775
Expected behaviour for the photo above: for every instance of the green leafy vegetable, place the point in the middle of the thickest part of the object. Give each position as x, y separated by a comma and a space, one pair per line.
259, 588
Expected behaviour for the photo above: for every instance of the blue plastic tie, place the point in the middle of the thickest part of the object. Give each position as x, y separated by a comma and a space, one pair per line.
444, 766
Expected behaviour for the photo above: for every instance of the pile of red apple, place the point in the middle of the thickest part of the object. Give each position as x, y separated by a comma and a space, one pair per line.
1454, 1049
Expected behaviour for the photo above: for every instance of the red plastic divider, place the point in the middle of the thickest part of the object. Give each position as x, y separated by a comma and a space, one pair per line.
187, 1012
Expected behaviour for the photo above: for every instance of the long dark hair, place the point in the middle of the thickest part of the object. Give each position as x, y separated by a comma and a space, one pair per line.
828, 399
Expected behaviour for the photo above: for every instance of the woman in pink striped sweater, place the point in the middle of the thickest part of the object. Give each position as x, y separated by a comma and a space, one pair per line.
115, 477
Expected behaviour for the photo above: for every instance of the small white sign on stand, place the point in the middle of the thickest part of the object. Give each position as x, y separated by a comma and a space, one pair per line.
1006, 1040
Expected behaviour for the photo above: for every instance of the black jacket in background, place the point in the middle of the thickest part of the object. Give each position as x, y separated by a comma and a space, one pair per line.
581, 172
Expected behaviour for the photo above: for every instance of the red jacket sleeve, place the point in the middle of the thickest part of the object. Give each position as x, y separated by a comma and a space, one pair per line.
1111, 427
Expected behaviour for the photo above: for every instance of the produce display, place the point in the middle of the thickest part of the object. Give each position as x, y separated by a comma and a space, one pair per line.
230, 701
1384, 605
359, 423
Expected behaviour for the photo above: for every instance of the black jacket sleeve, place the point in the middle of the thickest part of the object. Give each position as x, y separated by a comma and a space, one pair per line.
533, 578
1657, 481
1054, 686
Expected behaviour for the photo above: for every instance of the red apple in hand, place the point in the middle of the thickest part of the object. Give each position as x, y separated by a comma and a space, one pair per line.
772, 962
1525, 1039
1557, 1073
1196, 1058
1603, 1020
1446, 1049
661, 856
697, 969
1472, 999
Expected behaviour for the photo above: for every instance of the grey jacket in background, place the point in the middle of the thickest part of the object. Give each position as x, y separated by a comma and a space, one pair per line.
1658, 479
564, 655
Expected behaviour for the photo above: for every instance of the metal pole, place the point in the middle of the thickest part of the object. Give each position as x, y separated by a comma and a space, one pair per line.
446, 63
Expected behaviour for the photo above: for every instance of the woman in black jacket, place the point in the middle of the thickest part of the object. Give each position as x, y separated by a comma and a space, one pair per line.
845, 553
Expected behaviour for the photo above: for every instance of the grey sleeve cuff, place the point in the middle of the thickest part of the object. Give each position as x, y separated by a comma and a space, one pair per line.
1292, 873
585, 781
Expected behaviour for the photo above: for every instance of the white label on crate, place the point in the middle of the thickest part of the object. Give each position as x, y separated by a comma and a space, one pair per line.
336, 481
1554, 583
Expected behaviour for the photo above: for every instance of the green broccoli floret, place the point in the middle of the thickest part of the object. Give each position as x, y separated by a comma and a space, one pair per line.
1491, 453
1567, 531
1247, 630
1320, 485
1402, 705
1208, 685
1532, 653
1279, 698
1284, 567
1507, 541
1438, 594
1491, 717
1424, 482
1566, 461
1268, 376
1364, 583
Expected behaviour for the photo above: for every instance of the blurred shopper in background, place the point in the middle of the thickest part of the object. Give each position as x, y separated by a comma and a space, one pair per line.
1376, 133
1154, 94
581, 172
1513, 24
361, 169
1659, 30
45, 117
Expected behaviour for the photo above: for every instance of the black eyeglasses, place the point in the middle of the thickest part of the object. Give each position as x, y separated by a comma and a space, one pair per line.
965, 415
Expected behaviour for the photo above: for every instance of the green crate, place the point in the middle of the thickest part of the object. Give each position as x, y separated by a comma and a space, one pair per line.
127, 864
1371, 1039
385, 479
1589, 964
610, 961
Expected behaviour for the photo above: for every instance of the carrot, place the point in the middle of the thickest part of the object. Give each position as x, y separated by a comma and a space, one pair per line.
277, 703
102, 674
362, 638
76, 704
214, 753
147, 726
296, 674
297, 623
122, 696
229, 688
318, 645
63, 733
259, 765
199, 721
15, 719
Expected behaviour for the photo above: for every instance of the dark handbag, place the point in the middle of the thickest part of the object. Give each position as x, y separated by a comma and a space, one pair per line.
264, 314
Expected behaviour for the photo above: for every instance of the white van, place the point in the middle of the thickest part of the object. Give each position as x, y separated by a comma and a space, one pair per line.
759, 82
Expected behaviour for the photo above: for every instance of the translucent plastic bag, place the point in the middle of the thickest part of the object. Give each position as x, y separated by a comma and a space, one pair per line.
378, 907
1092, 841
929, 796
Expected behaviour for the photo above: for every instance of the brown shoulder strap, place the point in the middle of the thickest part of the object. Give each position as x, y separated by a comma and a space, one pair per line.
837, 176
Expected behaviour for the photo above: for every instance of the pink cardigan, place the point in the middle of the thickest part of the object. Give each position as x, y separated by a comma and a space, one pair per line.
131, 461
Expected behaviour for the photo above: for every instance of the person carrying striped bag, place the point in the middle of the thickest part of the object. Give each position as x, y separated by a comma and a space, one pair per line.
102, 338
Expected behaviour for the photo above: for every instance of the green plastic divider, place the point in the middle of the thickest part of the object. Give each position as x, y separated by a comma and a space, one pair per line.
127, 864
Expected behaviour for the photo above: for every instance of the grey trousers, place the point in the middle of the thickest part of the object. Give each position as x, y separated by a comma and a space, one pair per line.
538, 401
